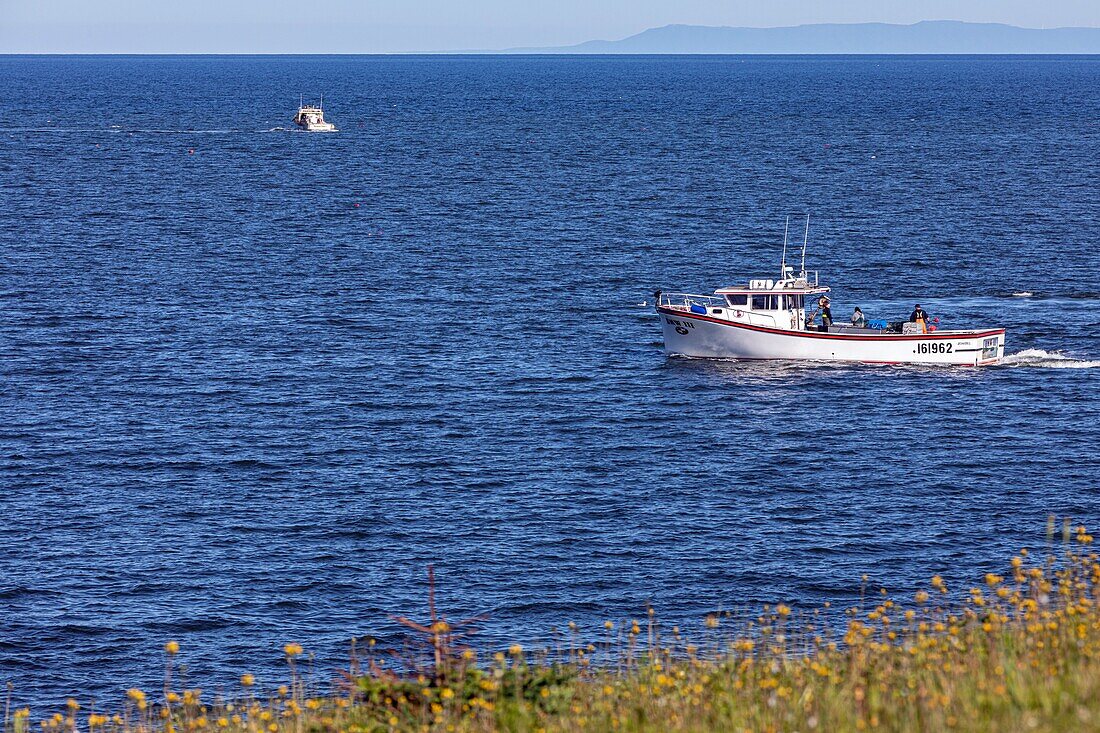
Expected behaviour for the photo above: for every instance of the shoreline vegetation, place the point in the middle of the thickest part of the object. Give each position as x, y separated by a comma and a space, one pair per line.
1018, 651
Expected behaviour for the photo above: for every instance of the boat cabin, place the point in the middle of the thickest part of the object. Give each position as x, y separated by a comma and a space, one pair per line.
309, 116
772, 303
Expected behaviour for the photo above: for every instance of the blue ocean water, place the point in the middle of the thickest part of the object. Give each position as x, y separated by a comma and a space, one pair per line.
254, 381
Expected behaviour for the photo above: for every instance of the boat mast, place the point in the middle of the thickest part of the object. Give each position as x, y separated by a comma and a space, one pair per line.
805, 238
783, 261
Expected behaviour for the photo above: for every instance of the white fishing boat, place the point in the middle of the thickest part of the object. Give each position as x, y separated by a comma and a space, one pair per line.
312, 119
767, 319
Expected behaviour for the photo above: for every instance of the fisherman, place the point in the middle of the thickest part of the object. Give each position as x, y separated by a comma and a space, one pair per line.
919, 316
826, 313
858, 319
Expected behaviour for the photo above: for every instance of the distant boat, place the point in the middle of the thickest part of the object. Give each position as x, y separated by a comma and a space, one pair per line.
767, 319
312, 119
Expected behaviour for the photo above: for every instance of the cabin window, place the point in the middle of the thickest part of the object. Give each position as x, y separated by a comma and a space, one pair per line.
739, 299
794, 301
765, 302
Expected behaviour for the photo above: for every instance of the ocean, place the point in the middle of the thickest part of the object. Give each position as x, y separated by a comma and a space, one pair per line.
255, 381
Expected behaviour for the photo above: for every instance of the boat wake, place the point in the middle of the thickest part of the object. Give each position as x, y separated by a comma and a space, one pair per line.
1046, 359
159, 131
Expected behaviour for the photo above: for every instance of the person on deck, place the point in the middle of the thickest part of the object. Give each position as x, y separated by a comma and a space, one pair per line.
919, 316
826, 313
858, 319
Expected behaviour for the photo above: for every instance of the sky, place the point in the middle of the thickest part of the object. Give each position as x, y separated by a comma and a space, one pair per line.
411, 26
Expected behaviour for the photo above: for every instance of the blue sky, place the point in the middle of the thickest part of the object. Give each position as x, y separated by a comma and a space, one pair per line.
374, 26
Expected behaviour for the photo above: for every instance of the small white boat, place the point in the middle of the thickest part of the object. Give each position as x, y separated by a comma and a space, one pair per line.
312, 119
767, 319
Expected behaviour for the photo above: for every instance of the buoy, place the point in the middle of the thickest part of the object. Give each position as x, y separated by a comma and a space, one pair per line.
357, 205
190, 151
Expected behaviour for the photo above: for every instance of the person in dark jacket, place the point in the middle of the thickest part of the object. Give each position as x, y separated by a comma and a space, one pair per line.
826, 313
919, 316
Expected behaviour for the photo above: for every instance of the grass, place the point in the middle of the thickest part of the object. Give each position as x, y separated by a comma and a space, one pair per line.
1016, 652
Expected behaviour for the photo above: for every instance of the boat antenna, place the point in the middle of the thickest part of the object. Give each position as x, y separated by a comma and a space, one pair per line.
322, 101
783, 261
805, 238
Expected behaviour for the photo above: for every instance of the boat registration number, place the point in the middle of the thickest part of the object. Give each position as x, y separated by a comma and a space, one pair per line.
935, 347
681, 326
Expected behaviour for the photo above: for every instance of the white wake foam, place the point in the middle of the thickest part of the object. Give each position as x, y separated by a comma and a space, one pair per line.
1047, 359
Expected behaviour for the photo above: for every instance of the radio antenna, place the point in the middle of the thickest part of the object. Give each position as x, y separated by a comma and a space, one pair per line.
805, 238
783, 261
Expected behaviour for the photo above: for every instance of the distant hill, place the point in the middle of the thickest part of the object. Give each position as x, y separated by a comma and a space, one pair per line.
927, 37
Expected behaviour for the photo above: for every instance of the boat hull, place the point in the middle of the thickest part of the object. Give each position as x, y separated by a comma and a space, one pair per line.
691, 334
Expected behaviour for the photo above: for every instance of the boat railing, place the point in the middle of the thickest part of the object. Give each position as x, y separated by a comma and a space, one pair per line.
690, 299
686, 300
